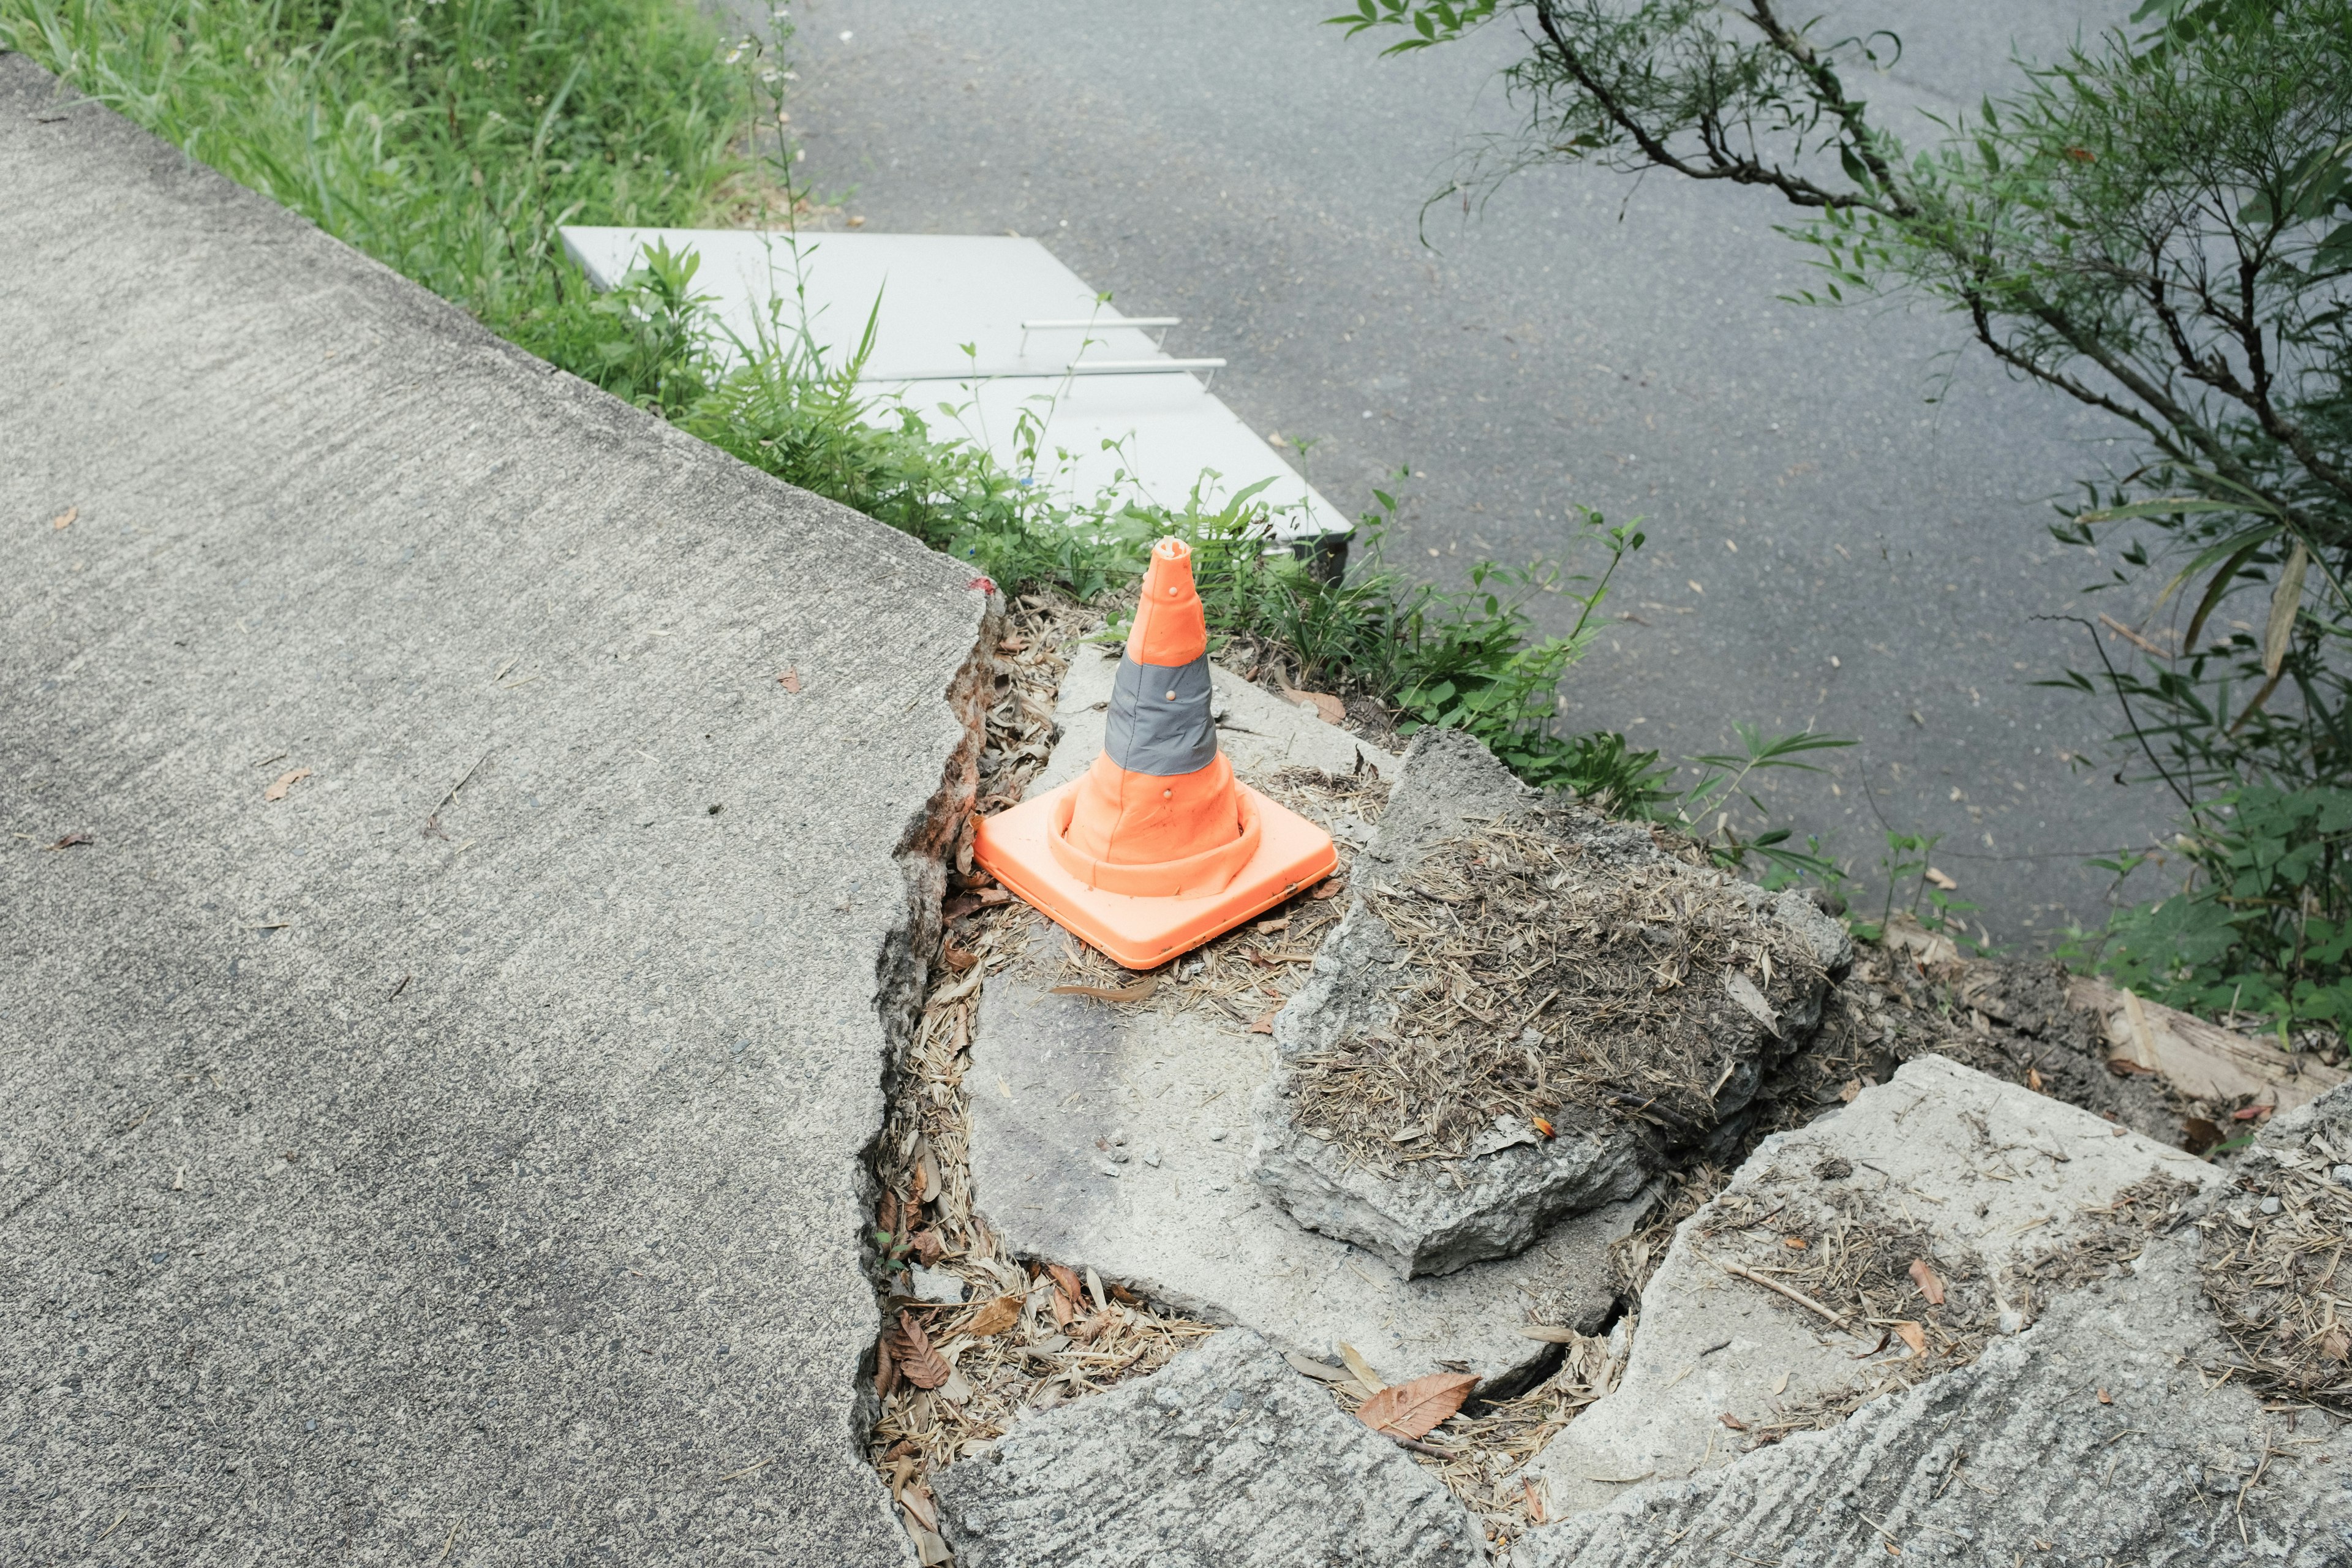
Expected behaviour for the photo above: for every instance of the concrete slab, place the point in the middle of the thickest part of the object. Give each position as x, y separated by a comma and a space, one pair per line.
1166, 1202
434, 1092
1222, 1458
1433, 1216
1972, 1168
2089, 1438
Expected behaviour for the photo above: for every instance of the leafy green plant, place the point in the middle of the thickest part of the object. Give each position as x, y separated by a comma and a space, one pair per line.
2159, 226
2265, 927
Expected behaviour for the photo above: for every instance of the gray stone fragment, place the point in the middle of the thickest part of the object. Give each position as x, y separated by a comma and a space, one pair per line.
936, 1285
2015, 1459
1430, 1218
1058, 1083
1990, 1169
1223, 1459
466, 1146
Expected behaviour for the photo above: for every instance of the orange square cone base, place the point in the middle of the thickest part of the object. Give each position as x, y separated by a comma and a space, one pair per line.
1141, 932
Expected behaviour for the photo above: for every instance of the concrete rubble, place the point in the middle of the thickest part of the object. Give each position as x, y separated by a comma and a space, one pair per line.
1435, 1216
1223, 1459
1974, 1175
434, 1067
1119, 1136
2096, 1434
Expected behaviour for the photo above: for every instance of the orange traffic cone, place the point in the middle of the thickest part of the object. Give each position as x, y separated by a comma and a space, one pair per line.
1157, 847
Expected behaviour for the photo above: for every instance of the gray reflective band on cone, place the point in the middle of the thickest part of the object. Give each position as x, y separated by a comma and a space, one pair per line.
1153, 732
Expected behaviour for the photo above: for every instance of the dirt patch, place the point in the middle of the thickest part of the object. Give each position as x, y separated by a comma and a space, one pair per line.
1541, 986
2007, 1020
2274, 1269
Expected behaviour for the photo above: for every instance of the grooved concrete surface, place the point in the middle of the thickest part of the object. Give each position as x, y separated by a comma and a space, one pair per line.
455, 1158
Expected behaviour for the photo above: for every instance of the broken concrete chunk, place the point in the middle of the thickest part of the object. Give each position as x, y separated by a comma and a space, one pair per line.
1882, 1245
1502, 959
936, 1285
2090, 1438
1223, 1459
1059, 1081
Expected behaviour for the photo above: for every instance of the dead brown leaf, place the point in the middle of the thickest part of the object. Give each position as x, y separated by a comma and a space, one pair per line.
1139, 992
1915, 1336
927, 1171
885, 1369
1849, 1090
995, 1317
1066, 1278
1793, 1243
993, 896
1262, 1024
1941, 880
957, 958
790, 679
2336, 1346
286, 781
2105, 1398
1328, 889
928, 1246
1734, 1422
1416, 1409
65, 519
2034, 1079
1062, 1311
74, 841
1924, 1276
918, 1362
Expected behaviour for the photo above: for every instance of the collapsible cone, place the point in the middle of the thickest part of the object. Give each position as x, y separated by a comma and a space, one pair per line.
1157, 847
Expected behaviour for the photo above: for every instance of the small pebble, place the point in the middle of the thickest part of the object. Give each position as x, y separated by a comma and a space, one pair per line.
2344, 1176
2343, 1173
1151, 1158
936, 1285
2270, 1206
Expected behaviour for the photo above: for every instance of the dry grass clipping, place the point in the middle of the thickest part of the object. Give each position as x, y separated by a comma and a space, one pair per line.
1541, 987
2276, 1279
1857, 1261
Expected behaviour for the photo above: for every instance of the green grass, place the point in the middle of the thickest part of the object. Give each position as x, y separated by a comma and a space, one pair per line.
446, 138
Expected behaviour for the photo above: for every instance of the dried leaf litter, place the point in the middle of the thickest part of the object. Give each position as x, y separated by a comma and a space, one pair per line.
1538, 985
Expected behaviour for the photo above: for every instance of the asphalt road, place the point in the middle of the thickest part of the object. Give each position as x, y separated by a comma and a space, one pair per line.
1847, 519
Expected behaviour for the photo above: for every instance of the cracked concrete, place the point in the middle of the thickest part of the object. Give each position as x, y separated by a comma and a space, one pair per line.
458, 1154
